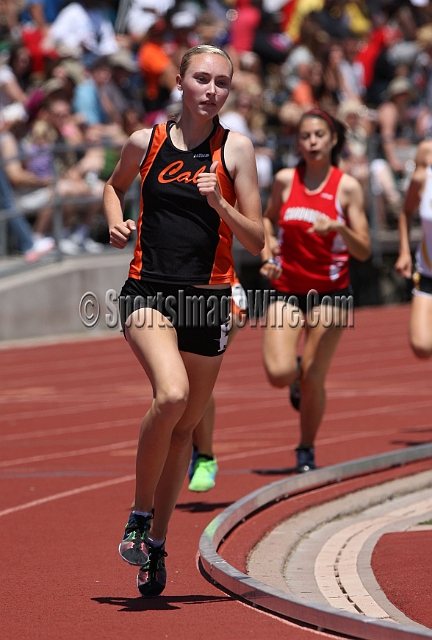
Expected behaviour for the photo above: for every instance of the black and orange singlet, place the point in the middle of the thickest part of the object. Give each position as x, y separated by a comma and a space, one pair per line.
181, 239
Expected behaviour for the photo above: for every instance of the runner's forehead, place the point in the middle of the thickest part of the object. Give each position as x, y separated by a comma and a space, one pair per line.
210, 63
313, 123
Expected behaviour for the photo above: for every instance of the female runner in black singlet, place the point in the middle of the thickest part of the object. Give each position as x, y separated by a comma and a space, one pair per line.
193, 172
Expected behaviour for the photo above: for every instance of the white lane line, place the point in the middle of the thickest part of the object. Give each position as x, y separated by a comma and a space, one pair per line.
68, 454
67, 494
218, 438
336, 564
41, 433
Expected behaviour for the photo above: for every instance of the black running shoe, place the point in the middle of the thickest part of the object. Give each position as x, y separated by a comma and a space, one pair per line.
134, 546
305, 459
294, 390
151, 578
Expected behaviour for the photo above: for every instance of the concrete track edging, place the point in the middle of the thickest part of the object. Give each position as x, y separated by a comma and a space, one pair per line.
277, 601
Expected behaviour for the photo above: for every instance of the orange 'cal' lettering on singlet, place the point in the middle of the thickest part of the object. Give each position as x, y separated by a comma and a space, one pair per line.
171, 173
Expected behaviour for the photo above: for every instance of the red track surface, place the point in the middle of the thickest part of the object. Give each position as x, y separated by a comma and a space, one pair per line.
402, 564
69, 420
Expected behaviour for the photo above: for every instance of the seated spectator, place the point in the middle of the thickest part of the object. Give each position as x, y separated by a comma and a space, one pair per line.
245, 25
13, 97
395, 127
31, 192
91, 98
35, 21
334, 19
351, 70
142, 15
270, 44
80, 171
10, 26
238, 115
422, 80
125, 89
395, 123
23, 238
38, 147
34, 194
333, 78
342, 74
71, 72
83, 30
384, 69
44, 12
182, 23
131, 122
309, 89
157, 68
312, 46
354, 158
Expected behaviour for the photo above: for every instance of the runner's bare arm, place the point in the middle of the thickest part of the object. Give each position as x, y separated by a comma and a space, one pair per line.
280, 189
412, 200
117, 185
246, 221
356, 233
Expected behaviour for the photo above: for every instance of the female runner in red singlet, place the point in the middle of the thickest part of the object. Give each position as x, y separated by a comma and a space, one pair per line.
192, 172
318, 211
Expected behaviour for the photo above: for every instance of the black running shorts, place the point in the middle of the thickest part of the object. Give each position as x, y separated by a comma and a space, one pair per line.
200, 316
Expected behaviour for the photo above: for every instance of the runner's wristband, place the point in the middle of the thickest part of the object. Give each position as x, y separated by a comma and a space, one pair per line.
270, 261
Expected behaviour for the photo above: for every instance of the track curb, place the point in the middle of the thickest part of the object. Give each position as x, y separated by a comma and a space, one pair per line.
256, 593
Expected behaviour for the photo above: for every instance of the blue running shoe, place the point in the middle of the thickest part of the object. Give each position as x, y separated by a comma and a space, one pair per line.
192, 465
151, 578
305, 459
134, 546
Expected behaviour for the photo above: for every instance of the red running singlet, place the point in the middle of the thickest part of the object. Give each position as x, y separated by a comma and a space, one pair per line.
308, 260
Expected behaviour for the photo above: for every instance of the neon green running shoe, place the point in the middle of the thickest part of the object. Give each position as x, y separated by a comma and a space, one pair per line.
204, 476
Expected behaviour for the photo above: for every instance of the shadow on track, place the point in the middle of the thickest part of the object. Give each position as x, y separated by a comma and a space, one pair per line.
274, 472
202, 507
410, 443
161, 603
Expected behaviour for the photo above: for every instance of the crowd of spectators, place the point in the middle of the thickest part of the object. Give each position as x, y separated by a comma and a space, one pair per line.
77, 78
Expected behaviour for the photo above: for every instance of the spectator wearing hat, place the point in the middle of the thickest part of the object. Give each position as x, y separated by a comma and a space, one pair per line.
395, 127
183, 24
71, 72
53, 87
126, 88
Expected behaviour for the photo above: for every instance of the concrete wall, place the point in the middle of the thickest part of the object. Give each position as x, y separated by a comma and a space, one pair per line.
46, 301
